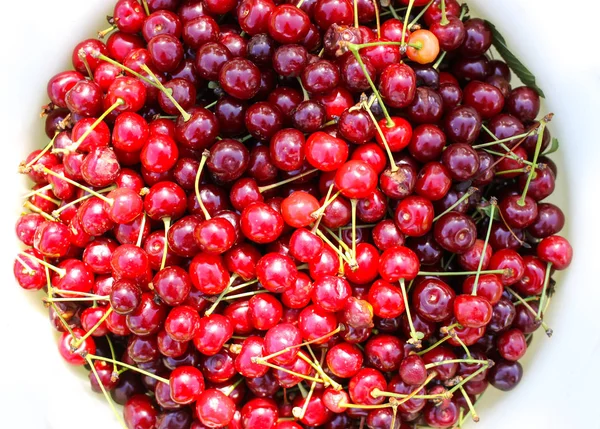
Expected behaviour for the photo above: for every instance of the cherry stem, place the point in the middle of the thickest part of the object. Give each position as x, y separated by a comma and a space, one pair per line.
141, 233
440, 342
377, 18
356, 25
40, 193
299, 4
406, 17
544, 289
459, 273
415, 337
510, 155
536, 154
297, 412
40, 167
514, 170
404, 398
35, 209
306, 343
508, 139
508, 227
393, 11
467, 194
485, 244
283, 182
464, 418
123, 67
366, 225
491, 134
318, 214
462, 344
28, 269
439, 60
317, 367
102, 34
444, 20
146, 8
167, 224
304, 91
74, 146
484, 367
261, 361
60, 271
354, 48
353, 204
416, 19
474, 415
185, 115
115, 374
39, 155
82, 57
104, 392
75, 344
529, 308
76, 299
231, 388
205, 155
62, 319
393, 165
244, 295
371, 44
213, 104
131, 367
56, 213
366, 407
221, 296
451, 361
335, 248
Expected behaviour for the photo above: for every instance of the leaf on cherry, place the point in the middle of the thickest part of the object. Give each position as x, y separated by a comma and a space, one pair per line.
513, 62
486, 210
553, 147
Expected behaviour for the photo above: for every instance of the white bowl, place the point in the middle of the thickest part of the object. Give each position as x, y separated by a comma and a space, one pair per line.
559, 45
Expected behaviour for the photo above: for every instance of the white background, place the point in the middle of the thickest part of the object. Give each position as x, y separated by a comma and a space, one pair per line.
557, 40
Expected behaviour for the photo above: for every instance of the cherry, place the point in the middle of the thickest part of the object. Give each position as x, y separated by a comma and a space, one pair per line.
433, 181
489, 287
441, 417
208, 273
555, 250
503, 316
214, 408
512, 345
140, 412
472, 311
455, 232
356, 126
462, 125
265, 311
328, 12
549, 221
384, 352
398, 263
276, 272
362, 385
320, 77
414, 216
433, 299
325, 152
461, 160
423, 47
75, 355
314, 323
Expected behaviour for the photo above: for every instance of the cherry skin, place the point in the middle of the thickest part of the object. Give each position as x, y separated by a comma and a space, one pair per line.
362, 385
140, 412
433, 299
325, 152
398, 263
260, 223
512, 345
214, 408
414, 216
555, 250
472, 311
276, 272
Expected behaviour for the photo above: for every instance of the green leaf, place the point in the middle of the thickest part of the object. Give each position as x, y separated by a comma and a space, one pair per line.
487, 211
513, 62
553, 147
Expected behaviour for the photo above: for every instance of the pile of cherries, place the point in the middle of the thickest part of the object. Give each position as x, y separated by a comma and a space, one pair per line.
323, 213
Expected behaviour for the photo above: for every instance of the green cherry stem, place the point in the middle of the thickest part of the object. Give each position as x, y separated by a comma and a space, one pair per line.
298, 412
62, 320
306, 343
508, 139
262, 189
27, 268
393, 12
544, 289
60, 271
444, 20
433, 346
529, 308
354, 48
88, 358
485, 366
474, 415
244, 295
35, 209
102, 33
404, 23
459, 273
304, 91
39, 155
141, 233
467, 194
416, 19
377, 18
205, 155
75, 344
56, 213
103, 57
451, 361
131, 367
115, 374
415, 337
388, 151
334, 247
146, 8
83, 58
185, 115
485, 244
46, 170
222, 295
318, 214
167, 224
536, 154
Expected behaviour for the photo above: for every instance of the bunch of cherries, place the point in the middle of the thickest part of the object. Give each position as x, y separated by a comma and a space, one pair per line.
321, 213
